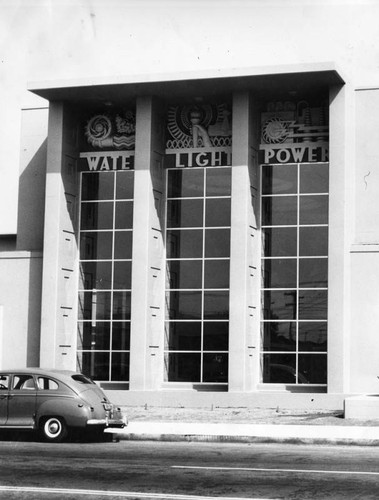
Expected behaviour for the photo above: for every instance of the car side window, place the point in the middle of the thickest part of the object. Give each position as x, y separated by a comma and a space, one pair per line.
47, 384
23, 382
4, 382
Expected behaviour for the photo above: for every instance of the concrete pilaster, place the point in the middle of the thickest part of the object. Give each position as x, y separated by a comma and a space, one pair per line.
59, 281
340, 217
147, 279
244, 270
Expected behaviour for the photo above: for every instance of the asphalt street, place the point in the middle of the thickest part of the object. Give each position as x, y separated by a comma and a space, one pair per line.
186, 471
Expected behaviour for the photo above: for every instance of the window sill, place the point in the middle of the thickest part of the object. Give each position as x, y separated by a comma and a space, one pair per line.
300, 388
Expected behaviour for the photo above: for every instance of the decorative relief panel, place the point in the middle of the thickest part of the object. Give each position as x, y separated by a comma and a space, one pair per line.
116, 132
204, 125
199, 135
294, 132
113, 135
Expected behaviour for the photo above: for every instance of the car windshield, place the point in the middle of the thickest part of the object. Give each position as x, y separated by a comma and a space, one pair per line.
82, 379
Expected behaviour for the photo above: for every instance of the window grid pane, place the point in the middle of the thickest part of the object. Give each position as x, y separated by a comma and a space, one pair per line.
197, 283
294, 273
105, 275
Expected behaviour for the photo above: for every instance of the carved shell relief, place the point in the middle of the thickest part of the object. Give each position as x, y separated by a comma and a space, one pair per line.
197, 126
116, 132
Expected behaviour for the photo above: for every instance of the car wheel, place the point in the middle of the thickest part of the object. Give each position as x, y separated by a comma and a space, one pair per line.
54, 429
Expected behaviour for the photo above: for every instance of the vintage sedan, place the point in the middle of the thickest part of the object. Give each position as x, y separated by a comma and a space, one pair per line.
54, 402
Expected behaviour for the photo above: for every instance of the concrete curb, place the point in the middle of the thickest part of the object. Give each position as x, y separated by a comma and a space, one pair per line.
248, 433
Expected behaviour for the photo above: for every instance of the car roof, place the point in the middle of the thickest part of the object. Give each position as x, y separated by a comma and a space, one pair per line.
61, 374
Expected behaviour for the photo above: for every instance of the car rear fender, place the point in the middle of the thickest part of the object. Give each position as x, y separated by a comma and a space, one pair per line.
95, 398
73, 410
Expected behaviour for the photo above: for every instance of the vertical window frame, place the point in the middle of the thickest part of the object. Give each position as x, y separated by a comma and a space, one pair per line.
299, 379
82, 352
202, 352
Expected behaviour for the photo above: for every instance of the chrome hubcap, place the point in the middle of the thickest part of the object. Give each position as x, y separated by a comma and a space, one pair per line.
53, 427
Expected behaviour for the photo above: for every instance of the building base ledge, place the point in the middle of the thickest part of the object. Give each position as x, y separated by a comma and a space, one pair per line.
364, 406
195, 399
21, 254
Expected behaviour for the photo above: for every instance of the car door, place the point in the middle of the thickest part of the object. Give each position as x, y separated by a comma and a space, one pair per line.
4, 388
22, 401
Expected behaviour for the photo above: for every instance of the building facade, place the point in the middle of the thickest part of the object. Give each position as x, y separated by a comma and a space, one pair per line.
201, 240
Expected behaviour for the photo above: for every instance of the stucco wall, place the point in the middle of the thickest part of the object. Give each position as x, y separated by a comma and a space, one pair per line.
44, 40
20, 302
31, 201
367, 161
364, 357
364, 318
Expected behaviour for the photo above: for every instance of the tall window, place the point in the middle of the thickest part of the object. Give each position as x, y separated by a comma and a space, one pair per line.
197, 287
106, 223
294, 273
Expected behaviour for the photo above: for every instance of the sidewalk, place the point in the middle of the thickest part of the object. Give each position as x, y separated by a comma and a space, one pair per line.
247, 425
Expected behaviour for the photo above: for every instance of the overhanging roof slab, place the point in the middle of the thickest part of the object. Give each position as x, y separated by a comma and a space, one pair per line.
97, 91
